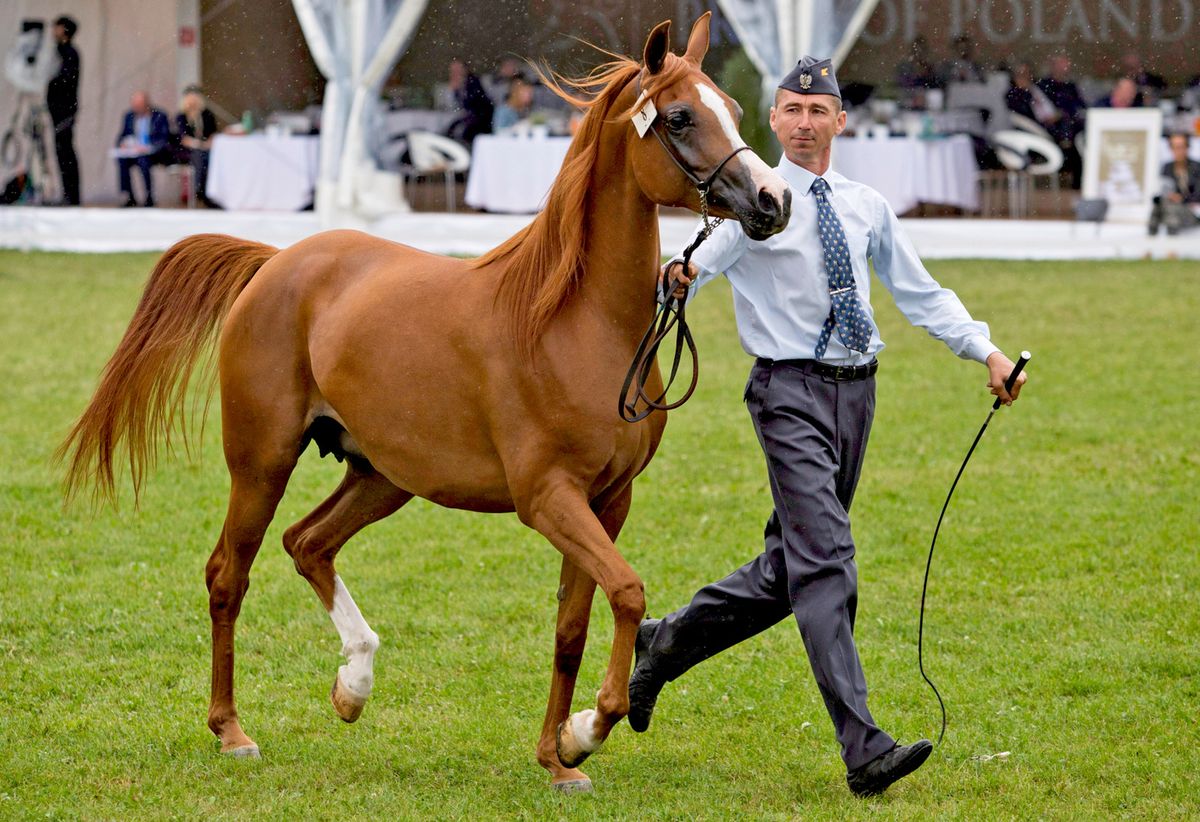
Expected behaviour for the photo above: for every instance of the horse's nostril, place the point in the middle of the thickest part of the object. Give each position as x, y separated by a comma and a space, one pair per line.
770, 205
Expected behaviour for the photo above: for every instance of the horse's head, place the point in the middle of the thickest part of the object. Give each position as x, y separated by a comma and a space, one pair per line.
689, 149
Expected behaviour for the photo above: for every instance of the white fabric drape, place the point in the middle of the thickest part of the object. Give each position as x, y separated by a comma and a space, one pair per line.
777, 33
354, 43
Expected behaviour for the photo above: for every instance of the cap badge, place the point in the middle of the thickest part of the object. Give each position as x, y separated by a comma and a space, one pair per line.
806, 81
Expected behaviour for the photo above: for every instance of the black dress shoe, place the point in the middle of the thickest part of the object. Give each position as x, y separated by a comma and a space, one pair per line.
129, 203
643, 684
873, 778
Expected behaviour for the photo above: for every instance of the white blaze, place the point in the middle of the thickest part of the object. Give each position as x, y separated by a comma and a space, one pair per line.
359, 642
762, 175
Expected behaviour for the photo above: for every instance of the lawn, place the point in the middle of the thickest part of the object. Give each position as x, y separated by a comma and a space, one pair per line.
1063, 624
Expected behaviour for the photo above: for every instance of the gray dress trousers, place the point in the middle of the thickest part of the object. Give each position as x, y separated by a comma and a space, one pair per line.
813, 431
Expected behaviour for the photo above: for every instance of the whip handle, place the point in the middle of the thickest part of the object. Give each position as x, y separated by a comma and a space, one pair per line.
1012, 378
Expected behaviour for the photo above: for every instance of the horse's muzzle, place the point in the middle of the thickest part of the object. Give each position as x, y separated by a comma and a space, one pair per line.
770, 217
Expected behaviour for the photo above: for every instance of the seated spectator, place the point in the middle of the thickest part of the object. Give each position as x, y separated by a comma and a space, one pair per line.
517, 105
1124, 94
1150, 86
962, 68
473, 107
145, 141
1179, 205
1025, 98
496, 83
916, 71
195, 126
1061, 90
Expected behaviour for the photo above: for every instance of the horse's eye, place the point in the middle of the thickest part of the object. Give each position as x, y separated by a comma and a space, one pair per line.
678, 120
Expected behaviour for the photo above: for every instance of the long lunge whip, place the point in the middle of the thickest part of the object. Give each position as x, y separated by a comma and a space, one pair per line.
1008, 386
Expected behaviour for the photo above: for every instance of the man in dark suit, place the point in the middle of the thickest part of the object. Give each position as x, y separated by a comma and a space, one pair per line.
1064, 94
144, 141
62, 101
1178, 206
474, 107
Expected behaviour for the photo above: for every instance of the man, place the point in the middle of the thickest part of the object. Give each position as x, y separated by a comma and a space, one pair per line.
143, 142
474, 107
1064, 93
962, 68
1124, 94
1150, 85
803, 309
62, 101
1179, 205
1025, 98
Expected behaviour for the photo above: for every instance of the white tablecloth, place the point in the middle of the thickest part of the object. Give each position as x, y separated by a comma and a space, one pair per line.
259, 172
511, 175
909, 171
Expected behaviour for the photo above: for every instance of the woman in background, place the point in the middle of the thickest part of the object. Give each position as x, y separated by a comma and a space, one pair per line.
517, 106
195, 126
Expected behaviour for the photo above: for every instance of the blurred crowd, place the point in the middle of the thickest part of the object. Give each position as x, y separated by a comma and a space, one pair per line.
1055, 99
506, 100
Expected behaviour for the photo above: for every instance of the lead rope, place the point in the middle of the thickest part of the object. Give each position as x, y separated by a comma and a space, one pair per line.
671, 313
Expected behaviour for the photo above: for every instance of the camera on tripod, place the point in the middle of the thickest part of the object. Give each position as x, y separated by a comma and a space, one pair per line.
31, 63
33, 59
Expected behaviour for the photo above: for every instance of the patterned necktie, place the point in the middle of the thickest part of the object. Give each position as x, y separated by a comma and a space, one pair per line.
845, 312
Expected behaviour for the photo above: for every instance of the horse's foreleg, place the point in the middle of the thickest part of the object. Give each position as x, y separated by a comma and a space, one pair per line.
561, 513
575, 591
364, 496
252, 502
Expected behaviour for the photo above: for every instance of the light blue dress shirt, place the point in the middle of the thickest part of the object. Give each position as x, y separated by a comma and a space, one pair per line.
781, 289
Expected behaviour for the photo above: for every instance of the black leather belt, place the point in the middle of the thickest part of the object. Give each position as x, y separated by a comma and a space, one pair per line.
828, 371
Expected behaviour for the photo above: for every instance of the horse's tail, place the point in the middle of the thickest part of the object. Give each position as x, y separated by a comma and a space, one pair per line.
142, 390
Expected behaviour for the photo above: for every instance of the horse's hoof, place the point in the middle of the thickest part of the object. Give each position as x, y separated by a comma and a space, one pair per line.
574, 739
244, 752
570, 786
348, 704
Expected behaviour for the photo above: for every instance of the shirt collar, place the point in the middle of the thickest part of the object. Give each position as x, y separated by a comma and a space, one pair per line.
801, 179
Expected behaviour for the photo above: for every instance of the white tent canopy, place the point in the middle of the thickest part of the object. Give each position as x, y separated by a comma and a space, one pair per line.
354, 43
777, 33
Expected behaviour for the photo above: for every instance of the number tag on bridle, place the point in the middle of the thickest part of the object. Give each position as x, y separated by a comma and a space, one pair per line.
644, 116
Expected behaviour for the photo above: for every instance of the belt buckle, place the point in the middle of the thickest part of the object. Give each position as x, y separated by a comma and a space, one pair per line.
843, 373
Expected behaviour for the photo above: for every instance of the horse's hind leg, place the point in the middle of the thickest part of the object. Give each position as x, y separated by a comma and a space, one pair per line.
253, 496
364, 496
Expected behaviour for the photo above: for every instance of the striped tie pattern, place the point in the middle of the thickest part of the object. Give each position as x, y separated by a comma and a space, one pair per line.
845, 311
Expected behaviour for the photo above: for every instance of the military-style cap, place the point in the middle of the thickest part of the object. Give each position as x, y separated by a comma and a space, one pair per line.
812, 76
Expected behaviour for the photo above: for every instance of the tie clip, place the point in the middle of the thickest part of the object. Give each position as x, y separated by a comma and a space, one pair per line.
841, 291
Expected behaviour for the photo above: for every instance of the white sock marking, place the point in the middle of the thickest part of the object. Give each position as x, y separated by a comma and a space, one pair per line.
583, 727
762, 175
359, 642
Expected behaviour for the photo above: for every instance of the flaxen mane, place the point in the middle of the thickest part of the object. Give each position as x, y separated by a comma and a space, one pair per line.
544, 261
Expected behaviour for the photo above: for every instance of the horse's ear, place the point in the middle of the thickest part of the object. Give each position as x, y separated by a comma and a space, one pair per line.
697, 45
657, 46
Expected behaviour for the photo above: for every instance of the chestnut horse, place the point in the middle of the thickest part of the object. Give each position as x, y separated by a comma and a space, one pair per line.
487, 385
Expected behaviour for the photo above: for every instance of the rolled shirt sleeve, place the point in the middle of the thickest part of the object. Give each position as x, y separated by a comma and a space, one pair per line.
919, 297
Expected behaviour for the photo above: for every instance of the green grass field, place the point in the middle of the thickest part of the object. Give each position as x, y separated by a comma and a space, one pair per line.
1063, 624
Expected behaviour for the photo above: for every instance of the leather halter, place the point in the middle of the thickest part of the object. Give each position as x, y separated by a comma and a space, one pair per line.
702, 185
671, 309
